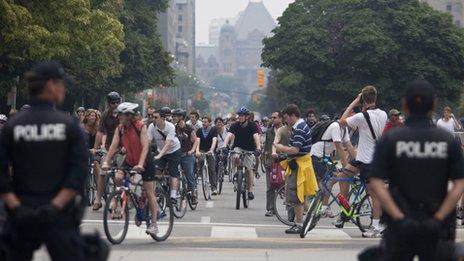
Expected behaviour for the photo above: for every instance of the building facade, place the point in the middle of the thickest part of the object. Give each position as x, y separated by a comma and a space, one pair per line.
453, 7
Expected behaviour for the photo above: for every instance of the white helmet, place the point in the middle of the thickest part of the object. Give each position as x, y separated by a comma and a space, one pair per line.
128, 107
3, 117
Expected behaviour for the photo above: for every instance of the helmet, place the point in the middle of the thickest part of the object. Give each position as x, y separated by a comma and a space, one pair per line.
80, 109
179, 112
128, 107
165, 111
265, 118
324, 117
113, 97
3, 117
243, 110
25, 107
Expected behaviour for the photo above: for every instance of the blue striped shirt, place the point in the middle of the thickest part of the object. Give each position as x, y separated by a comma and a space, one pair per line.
301, 136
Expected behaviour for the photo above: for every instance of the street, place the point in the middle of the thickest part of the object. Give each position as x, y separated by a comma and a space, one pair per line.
217, 231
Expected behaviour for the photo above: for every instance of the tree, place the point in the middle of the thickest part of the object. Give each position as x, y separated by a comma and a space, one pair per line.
323, 52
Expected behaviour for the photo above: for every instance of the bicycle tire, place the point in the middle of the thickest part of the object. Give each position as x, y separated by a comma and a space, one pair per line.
205, 183
164, 206
280, 194
263, 163
180, 209
190, 201
115, 241
363, 227
239, 189
220, 178
89, 190
229, 166
312, 217
109, 186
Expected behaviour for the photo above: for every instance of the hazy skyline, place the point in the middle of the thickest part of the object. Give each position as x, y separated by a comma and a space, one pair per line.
206, 10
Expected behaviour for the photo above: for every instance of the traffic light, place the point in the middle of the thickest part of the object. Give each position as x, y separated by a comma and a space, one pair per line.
261, 78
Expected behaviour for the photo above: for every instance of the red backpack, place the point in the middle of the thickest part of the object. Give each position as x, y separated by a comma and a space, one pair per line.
276, 176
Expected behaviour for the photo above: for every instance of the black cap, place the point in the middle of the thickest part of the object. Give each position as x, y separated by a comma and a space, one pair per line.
420, 96
49, 70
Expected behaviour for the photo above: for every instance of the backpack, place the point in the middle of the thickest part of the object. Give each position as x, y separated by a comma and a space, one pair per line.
318, 130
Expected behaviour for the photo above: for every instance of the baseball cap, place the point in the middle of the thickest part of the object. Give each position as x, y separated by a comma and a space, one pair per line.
420, 96
49, 70
394, 112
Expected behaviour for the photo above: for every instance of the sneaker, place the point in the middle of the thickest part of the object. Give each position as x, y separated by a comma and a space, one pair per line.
152, 229
372, 232
215, 192
327, 213
339, 223
293, 230
460, 213
269, 213
251, 196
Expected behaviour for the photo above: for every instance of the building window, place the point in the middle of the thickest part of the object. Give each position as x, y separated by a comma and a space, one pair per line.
457, 23
179, 18
179, 7
227, 67
179, 29
449, 7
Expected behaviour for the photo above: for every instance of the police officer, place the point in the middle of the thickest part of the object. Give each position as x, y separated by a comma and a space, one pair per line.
418, 160
46, 149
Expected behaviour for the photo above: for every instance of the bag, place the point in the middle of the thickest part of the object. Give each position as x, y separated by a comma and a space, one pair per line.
318, 130
276, 179
369, 123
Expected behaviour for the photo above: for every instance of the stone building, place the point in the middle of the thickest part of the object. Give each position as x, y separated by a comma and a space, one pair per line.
453, 7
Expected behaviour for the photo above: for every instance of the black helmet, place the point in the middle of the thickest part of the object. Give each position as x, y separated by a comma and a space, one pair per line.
165, 111
113, 97
25, 107
179, 112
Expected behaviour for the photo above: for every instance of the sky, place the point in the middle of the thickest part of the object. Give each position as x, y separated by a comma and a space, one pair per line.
206, 10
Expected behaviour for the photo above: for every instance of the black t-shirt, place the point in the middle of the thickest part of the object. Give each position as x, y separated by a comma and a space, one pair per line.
418, 160
206, 142
244, 135
108, 125
184, 135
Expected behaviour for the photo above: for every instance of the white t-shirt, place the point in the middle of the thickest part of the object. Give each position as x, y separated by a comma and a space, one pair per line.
366, 143
446, 125
169, 131
334, 132
221, 138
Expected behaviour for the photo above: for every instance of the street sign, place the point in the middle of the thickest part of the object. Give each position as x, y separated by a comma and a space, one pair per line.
261, 78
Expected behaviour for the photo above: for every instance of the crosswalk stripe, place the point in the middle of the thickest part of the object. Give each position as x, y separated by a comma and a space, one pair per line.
205, 220
210, 204
327, 234
233, 232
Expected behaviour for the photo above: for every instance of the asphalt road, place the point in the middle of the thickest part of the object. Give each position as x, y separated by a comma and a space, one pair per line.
217, 231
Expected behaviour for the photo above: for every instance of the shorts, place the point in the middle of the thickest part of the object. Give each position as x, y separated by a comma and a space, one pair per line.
320, 168
172, 161
364, 169
249, 161
149, 173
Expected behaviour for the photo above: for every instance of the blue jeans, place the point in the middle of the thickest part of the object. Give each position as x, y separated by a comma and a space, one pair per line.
187, 163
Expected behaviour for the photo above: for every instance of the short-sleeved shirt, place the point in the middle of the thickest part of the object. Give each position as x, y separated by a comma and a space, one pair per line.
446, 125
108, 124
418, 160
206, 141
366, 143
244, 135
334, 133
301, 136
221, 138
185, 137
169, 133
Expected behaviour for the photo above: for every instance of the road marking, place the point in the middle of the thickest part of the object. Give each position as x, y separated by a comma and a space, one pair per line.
210, 204
325, 234
233, 232
205, 220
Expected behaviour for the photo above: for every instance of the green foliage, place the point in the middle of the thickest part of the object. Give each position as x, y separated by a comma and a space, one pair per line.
324, 52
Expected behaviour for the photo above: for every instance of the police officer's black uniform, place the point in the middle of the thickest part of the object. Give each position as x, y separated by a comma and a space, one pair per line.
47, 152
418, 160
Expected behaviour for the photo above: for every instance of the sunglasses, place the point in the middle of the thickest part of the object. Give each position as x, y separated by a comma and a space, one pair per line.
115, 102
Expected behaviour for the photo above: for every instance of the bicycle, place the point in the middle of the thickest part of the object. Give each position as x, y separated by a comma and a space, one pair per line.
359, 211
180, 203
118, 203
185, 193
91, 183
203, 174
221, 170
241, 179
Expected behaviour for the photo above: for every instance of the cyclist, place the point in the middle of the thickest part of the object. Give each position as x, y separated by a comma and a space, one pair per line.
419, 160
245, 138
91, 122
3, 120
207, 140
149, 119
221, 133
163, 133
188, 143
131, 134
448, 121
370, 124
80, 114
109, 121
194, 120
300, 145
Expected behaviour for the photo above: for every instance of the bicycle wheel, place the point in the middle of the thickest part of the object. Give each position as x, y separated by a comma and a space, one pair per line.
109, 185
116, 216
205, 183
229, 167
284, 212
364, 213
239, 189
313, 215
180, 208
263, 163
220, 178
193, 205
90, 189
165, 215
